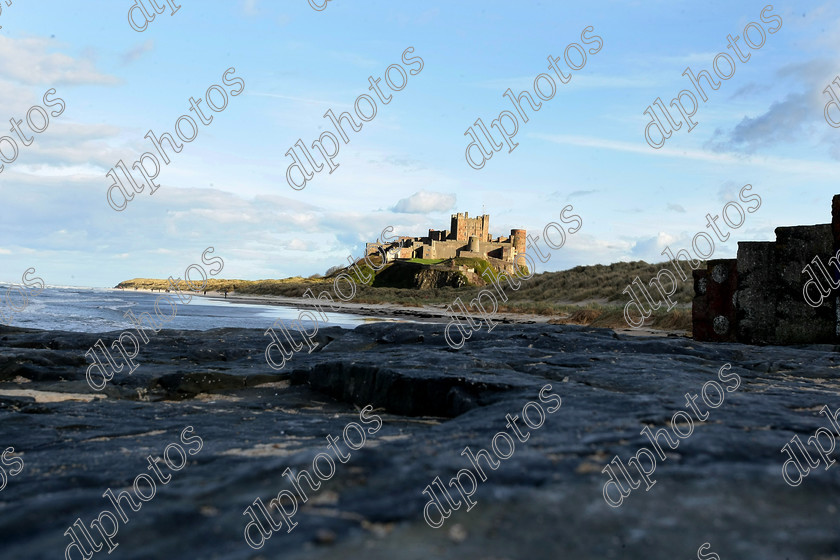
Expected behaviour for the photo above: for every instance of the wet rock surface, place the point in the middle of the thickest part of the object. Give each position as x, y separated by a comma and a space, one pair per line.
721, 485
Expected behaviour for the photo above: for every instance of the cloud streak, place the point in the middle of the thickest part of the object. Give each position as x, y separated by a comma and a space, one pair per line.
787, 165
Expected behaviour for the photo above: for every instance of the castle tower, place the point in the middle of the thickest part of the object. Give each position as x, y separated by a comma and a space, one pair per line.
455, 227
462, 227
517, 236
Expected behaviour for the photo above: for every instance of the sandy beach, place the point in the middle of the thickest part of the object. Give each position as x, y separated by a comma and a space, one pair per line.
425, 314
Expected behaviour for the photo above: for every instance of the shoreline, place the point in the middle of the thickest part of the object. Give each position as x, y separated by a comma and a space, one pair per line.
426, 314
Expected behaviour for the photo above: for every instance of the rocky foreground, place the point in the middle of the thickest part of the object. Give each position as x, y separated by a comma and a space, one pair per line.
722, 485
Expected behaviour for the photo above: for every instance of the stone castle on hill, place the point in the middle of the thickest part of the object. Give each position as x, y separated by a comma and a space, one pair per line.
467, 237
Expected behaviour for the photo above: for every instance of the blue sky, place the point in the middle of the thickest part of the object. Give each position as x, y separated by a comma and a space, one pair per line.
406, 167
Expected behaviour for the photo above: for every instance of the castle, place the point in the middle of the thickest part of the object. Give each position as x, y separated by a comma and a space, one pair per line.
467, 237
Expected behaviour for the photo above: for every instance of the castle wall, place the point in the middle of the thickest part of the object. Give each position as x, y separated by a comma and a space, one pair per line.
447, 249
713, 313
756, 309
796, 321
758, 299
496, 250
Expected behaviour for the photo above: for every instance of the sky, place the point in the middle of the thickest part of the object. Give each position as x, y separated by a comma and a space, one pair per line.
406, 167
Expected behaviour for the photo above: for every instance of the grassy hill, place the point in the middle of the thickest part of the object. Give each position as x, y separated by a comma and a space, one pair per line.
589, 295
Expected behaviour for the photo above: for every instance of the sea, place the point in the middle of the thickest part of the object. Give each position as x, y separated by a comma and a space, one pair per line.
78, 309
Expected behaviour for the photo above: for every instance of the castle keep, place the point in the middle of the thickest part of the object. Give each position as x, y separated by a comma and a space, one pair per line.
467, 237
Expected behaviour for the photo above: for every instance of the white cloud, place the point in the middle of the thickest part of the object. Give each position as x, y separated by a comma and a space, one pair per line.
298, 245
653, 246
424, 202
29, 61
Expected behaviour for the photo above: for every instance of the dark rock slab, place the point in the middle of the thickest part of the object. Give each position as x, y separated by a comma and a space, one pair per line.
721, 485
